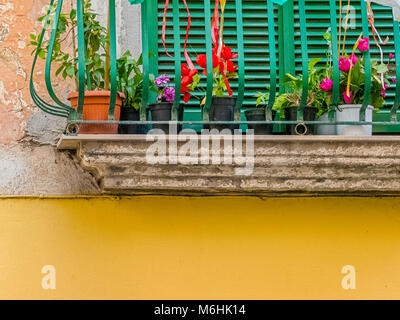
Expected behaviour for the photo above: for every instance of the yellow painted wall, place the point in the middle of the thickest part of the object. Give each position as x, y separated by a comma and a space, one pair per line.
202, 247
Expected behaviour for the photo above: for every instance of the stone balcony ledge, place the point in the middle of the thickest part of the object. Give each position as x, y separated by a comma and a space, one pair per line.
282, 165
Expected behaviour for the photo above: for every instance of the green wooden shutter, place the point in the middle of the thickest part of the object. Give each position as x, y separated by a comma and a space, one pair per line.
256, 42
255, 26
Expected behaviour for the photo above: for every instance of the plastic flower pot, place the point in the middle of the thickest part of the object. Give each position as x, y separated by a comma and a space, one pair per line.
351, 112
258, 114
309, 114
325, 129
130, 114
95, 108
223, 109
161, 112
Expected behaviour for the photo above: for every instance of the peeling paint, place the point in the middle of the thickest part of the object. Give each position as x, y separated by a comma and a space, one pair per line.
4, 31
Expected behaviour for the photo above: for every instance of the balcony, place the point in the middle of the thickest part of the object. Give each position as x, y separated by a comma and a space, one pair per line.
271, 41
329, 152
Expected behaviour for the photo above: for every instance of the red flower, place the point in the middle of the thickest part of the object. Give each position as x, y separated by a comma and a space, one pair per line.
227, 54
221, 66
193, 72
185, 70
202, 60
184, 88
231, 67
186, 80
186, 97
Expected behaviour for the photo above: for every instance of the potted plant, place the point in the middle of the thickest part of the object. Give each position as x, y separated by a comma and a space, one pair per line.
352, 87
223, 104
161, 110
130, 83
258, 114
288, 103
97, 64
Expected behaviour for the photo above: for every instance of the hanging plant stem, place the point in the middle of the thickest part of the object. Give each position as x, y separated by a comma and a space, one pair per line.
351, 67
74, 49
108, 57
221, 31
340, 23
345, 26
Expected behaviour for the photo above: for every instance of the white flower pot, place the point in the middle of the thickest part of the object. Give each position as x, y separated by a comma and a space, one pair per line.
351, 112
324, 129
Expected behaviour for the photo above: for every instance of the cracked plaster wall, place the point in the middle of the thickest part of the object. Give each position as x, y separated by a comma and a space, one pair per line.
29, 164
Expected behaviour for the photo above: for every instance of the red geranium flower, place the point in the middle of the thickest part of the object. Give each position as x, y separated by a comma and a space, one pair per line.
227, 54
186, 80
202, 60
184, 88
193, 72
221, 66
186, 97
185, 70
231, 67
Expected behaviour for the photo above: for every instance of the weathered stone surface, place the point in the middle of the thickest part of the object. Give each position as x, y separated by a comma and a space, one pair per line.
32, 170
282, 164
45, 128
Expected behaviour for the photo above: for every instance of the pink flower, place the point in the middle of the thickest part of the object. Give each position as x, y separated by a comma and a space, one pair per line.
353, 59
347, 98
391, 55
394, 80
385, 86
326, 84
363, 44
344, 64
388, 67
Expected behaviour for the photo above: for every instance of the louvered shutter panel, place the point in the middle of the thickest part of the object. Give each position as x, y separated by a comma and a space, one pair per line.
256, 42
255, 37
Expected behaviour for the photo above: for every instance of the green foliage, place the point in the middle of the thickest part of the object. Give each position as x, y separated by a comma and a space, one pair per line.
65, 51
219, 87
294, 87
318, 72
130, 80
195, 82
262, 99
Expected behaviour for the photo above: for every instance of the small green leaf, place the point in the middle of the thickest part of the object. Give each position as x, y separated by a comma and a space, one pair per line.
42, 54
381, 68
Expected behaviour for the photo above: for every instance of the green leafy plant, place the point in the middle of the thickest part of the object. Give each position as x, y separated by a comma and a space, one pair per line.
294, 88
65, 50
130, 80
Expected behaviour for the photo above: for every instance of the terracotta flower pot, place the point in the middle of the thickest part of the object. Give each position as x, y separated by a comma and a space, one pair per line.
95, 108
